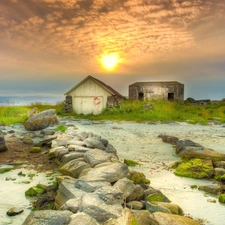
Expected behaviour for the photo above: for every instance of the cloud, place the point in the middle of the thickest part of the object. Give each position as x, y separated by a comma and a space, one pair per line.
72, 35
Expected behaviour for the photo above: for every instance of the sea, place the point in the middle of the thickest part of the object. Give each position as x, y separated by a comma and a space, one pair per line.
28, 100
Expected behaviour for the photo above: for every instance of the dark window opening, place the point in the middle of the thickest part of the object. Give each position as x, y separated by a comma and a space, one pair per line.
140, 96
170, 96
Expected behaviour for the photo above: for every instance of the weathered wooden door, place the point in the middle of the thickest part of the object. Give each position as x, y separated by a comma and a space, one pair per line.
88, 105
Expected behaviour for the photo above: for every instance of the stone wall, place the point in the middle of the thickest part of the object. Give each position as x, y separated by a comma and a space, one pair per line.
68, 105
114, 100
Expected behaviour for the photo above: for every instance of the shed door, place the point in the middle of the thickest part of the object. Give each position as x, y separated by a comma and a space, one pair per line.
88, 105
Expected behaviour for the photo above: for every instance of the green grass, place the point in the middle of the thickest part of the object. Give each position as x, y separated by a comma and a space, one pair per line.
138, 111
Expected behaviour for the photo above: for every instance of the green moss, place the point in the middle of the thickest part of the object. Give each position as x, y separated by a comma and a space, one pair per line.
195, 168
138, 178
157, 197
35, 150
4, 170
222, 198
194, 186
61, 128
35, 190
220, 178
130, 162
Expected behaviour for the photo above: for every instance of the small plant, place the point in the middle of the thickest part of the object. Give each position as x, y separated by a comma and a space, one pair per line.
61, 128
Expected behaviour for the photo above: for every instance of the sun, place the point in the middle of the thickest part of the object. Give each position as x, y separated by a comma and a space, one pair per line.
110, 61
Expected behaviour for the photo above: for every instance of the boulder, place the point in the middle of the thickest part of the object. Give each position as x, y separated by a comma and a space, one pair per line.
110, 173
137, 194
174, 208
183, 143
67, 191
142, 217
170, 139
90, 186
126, 186
82, 219
48, 217
201, 153
96, 156
151, 207
98, 208
73, 168
68, 157
135, 205
195, 168
72, 205
169, 219
41, 120
14, 211
27, 140
3, 146
94, 143
219, 164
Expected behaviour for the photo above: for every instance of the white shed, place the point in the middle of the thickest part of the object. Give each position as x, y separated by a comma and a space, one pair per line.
91, 96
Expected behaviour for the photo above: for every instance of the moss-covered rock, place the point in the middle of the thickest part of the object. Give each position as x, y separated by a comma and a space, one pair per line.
130, 162
222, 198
212, 189
35, 150
157, 197
4, 170
142, 217
138, 178
35, 190
195, 168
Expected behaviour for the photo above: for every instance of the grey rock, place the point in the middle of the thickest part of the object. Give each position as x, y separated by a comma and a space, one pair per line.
110, 195
110, 173
41, 120
126, 186
60, 152
3, 146
72, 205
135, 205
68, 191
73, 168
156, 208
48, 217
14, 211
105, 142
96, 156
99, 209
183, 143
90, 186
74, 155
76, 142
78, 148
59, 142
82, 219
201, 153
111, 149
82, 135
137, 195
27, 140
93, 143
219, 164
170, 139
169, 219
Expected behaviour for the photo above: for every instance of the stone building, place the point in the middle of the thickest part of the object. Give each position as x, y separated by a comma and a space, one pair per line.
168, 90
91, 96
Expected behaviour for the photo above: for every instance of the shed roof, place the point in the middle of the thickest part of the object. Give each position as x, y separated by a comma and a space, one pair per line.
102, 84
156, 82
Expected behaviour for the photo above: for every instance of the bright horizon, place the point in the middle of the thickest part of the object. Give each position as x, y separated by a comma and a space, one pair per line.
48, 46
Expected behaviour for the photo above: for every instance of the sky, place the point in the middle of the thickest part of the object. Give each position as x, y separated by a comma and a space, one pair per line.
48, 46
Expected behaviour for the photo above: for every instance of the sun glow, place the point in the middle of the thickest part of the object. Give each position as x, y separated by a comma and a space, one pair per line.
110, 61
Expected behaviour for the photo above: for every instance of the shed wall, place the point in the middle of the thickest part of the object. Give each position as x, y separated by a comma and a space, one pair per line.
89, 98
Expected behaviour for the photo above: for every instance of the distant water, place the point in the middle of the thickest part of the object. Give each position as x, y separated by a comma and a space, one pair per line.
27, 100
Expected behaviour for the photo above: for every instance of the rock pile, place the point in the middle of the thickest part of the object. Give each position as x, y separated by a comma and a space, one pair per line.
199, 162
96, 188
